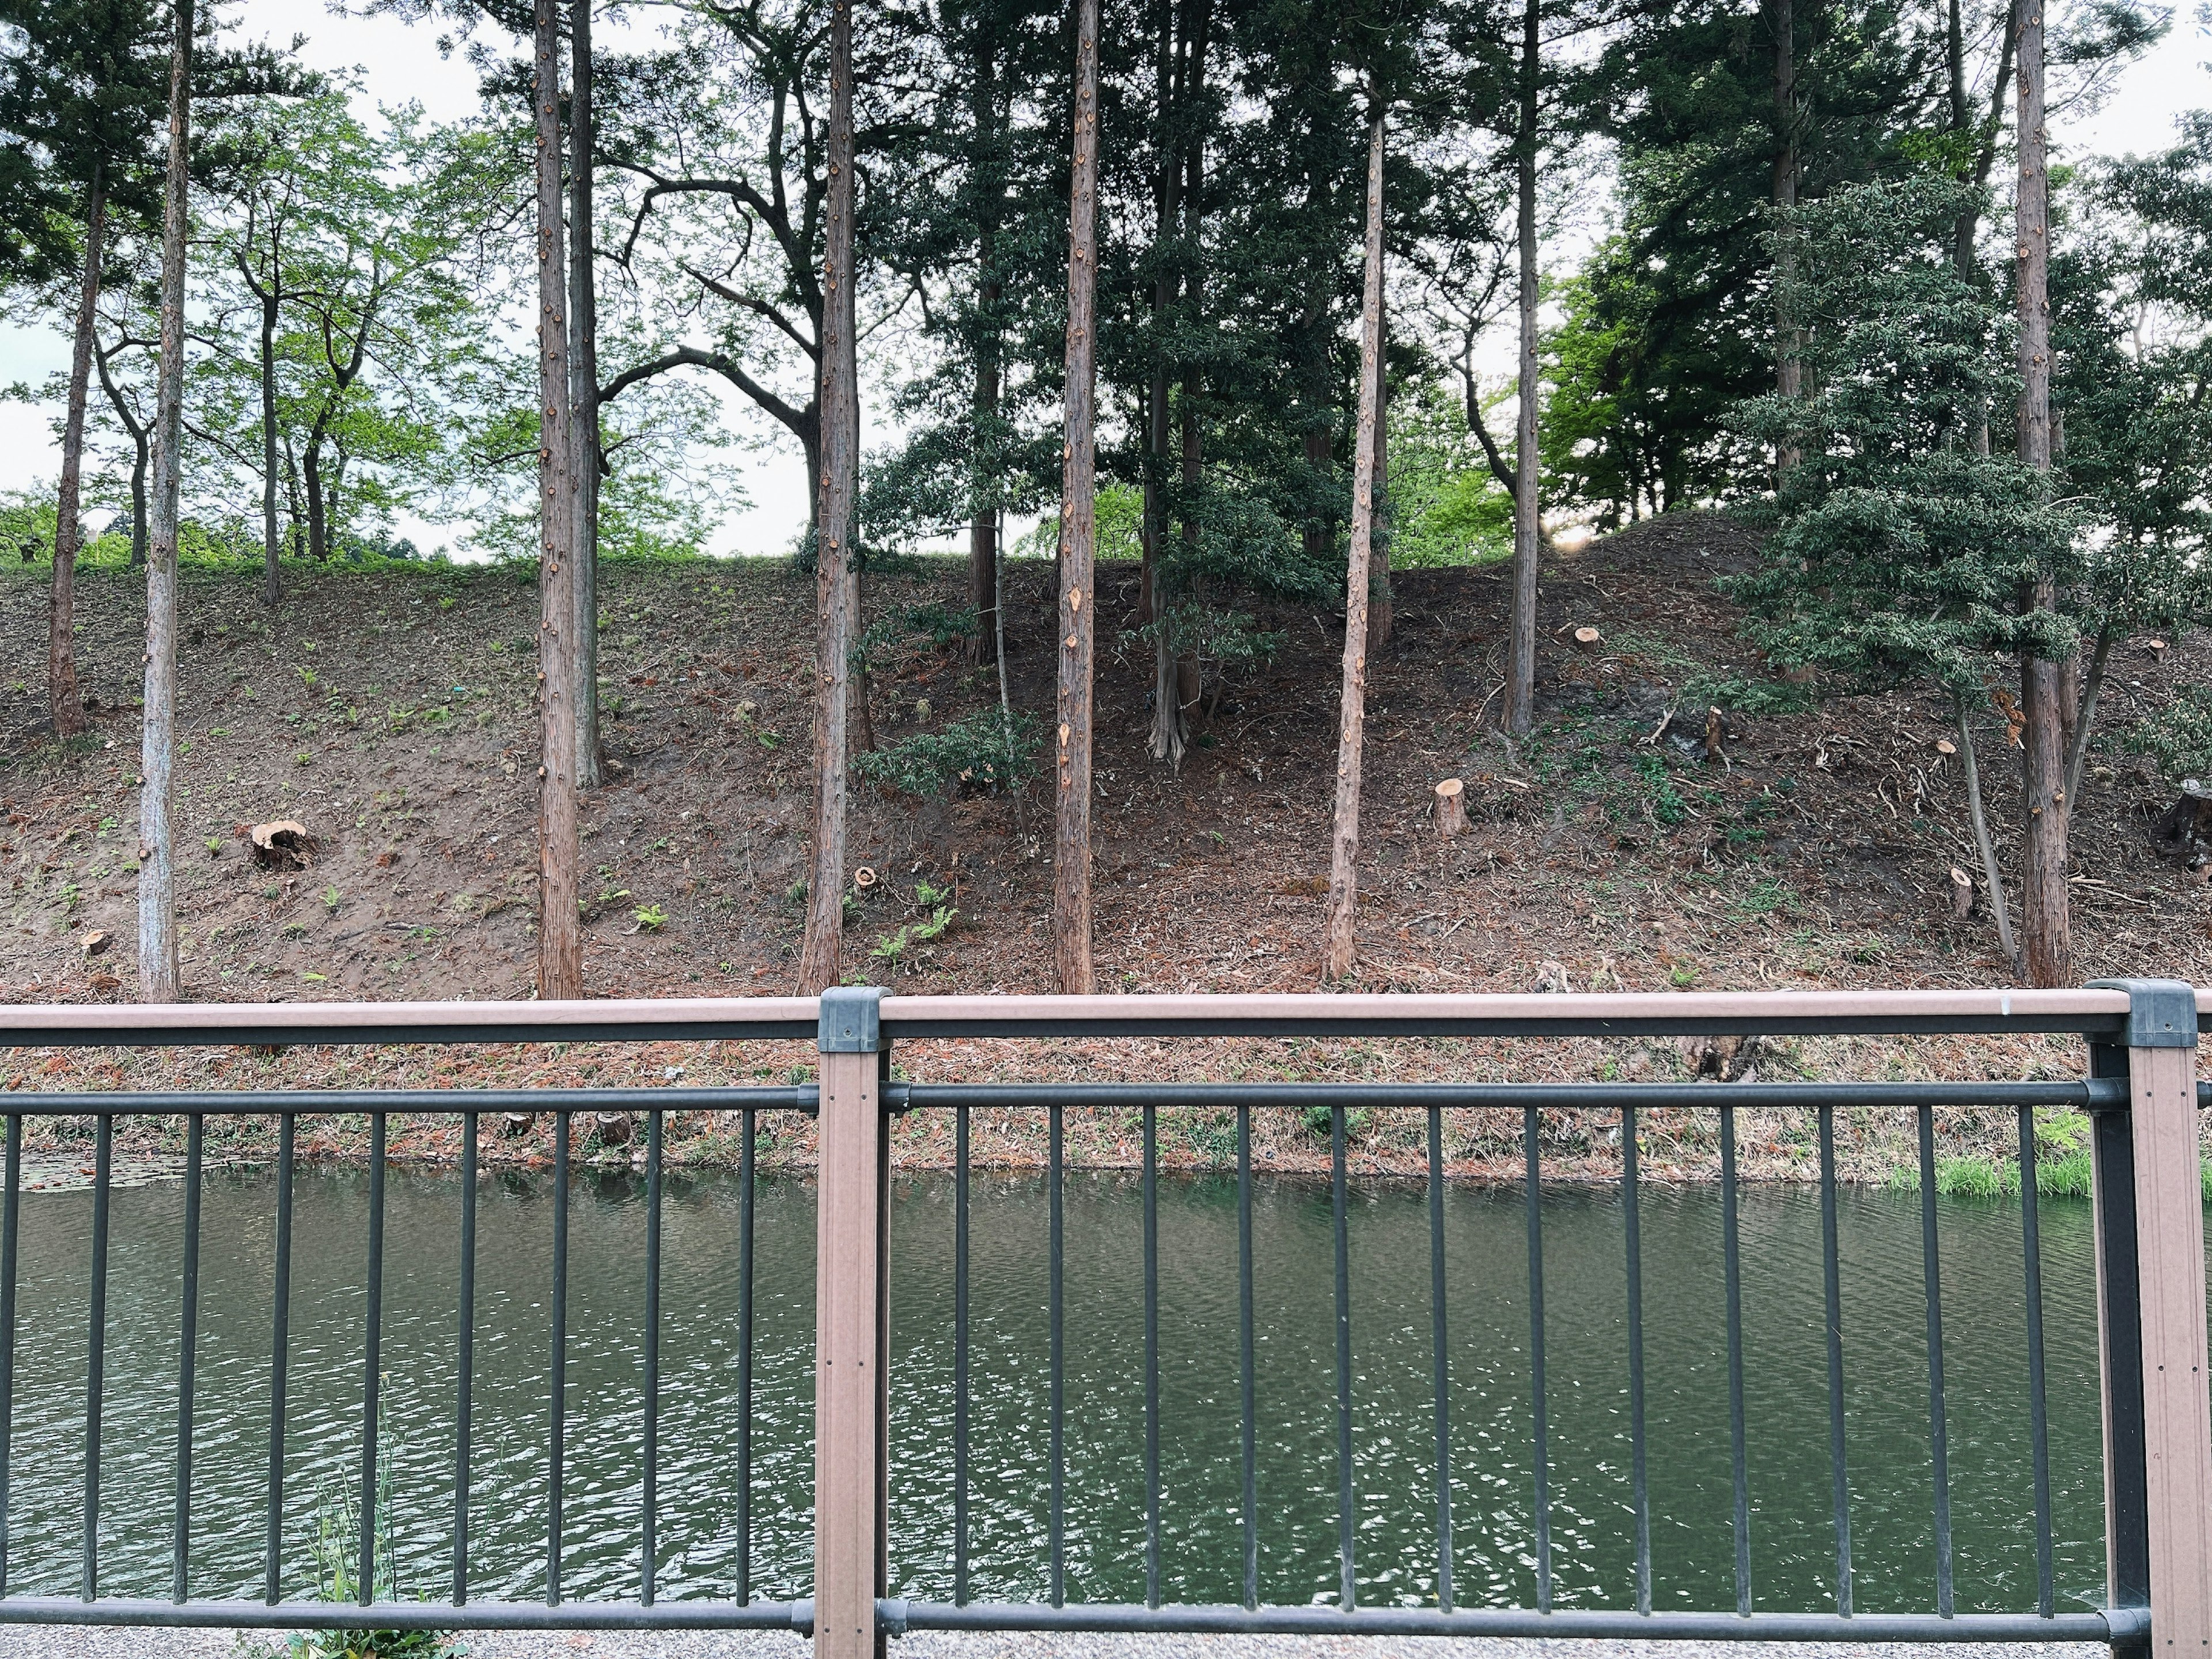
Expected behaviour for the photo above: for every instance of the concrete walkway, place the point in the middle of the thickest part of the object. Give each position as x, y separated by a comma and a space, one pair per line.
77, 1642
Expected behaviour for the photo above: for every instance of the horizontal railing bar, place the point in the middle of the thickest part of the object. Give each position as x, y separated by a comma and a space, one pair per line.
2093, 1012
421, 1102
2082, 1094
1663, 1014
82, 1024
411, 1615
2111, 1625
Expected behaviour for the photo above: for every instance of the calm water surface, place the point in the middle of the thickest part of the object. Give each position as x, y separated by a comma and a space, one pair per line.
1493, 1542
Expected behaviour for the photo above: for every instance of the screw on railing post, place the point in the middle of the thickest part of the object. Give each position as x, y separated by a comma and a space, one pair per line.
2150, 1297
851, 1335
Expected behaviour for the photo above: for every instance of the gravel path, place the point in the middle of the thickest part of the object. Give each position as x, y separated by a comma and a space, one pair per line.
78, 1642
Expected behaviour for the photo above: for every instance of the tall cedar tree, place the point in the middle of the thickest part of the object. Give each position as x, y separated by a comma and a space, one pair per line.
1340, 941
1071, 873
584, 390
560, 922
836, 568
1528, 506
2045, 926
1788, 371
157, 864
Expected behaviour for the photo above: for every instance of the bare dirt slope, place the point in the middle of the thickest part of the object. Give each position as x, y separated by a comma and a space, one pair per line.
390, 713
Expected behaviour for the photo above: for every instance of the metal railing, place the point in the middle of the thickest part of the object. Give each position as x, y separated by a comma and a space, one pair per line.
326, 1024
2141, 1094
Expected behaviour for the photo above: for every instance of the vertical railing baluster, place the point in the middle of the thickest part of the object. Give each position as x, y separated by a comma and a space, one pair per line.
1938, 1437
1054, 1178
188, 1332
1732, 1274
1245, 1357
1833, 1292
372, 1362
96, 1369
280, 1353
1347, 1518
748, 1197
960, 1161
465, 1321
649, 1489
10, 1230
1632, 1229
1151, 1196
2039, 1427
1539, 1421
556, 1381
1443, 1355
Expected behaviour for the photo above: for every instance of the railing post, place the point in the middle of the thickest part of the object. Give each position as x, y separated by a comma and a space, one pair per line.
2151, 1321
851, 1329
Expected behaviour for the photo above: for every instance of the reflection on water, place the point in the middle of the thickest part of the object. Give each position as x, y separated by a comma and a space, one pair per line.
1792, 1548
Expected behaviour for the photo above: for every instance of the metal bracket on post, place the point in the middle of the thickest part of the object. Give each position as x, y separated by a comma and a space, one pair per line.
2151, 1287
851, 1329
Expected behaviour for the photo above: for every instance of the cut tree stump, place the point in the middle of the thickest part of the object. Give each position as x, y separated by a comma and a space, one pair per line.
1962, 893
2183, 831
283, 844
1715, 730
1450, 808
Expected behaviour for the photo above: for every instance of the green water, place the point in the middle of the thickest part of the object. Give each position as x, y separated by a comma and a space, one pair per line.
1792, 1551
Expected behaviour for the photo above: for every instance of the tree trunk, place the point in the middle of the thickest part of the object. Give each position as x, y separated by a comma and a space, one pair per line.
136, 429
271, 298
157, 868
985, 168
983, 511
1340, 932
297, 529
1186, 686
2000, 910
2044, 924
584, 379
1320, 531
1382, 614
837, 588
1167, 739
2085, 717
318, 523
560, 942
1070, 873
64, 701
1528, 524
1789, 366
140, 461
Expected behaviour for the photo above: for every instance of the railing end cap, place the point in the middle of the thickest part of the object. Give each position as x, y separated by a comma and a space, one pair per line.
2161, 1013
851, 1020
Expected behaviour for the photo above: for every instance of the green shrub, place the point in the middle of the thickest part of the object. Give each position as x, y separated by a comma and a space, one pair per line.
969, 755
2179, 737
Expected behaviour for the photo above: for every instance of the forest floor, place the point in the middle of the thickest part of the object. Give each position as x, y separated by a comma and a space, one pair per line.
390, 712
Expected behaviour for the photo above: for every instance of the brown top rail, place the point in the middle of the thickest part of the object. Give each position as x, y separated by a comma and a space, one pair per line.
1663, 1013
2089, 1013
90, 1025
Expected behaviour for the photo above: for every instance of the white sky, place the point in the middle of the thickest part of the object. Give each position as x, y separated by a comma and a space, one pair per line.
397, 63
